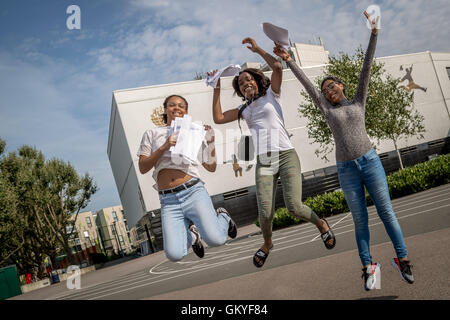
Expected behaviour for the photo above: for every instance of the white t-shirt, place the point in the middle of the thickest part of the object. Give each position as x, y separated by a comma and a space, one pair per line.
153, 139
265, 120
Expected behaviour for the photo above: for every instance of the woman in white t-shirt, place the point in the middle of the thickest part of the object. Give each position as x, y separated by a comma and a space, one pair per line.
184, 199
276, 157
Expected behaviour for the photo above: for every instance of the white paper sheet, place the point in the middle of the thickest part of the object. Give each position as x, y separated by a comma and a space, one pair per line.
190, 137
231, 70
276, 34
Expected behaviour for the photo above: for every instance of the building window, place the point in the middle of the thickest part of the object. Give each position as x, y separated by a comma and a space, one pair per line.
87, 239
448, 72
113, 228
88, 221
77, 247
114, 216
121, 240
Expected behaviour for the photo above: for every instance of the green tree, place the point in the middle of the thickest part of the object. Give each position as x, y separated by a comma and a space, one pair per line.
386, 103
2, 146
11, 235
67, 194
18, 233
34, 198
396, 116
38, 199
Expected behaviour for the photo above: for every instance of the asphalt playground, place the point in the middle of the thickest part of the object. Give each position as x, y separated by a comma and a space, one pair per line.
299, 266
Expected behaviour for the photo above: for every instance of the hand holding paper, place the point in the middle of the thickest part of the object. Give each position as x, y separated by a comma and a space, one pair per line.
281, 52
213, 77
276, 34
373, 23
189, 140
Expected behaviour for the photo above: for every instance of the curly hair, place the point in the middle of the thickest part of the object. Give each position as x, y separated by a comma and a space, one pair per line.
167, 100
261, 80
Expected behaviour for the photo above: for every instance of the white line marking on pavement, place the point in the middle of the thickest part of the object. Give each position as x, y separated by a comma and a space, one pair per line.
332, 226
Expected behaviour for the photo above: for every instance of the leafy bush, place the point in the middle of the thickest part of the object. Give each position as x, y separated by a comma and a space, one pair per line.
328, 204
282, 218
410, 180
420, 177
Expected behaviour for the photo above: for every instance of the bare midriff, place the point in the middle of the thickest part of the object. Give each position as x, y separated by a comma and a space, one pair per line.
171, 178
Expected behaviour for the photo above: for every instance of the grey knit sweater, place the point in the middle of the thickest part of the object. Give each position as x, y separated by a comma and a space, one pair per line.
345, 119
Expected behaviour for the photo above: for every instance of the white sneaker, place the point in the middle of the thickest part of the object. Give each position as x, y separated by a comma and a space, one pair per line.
371, 276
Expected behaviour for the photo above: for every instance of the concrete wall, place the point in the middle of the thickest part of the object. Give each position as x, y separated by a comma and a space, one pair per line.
308, 55
46, 282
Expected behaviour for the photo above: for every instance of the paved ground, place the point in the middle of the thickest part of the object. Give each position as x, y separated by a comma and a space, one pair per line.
299, 266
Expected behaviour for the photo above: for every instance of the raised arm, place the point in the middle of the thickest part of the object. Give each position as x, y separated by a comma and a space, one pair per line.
220, 117
299, 74
364, 77
274, 64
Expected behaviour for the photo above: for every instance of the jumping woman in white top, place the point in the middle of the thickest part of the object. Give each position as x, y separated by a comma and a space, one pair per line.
277, 157
182, 194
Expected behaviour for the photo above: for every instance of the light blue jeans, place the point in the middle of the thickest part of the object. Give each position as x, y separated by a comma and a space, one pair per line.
368, 171
192, 204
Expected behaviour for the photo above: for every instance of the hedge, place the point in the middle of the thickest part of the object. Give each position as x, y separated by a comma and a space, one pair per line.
401, 183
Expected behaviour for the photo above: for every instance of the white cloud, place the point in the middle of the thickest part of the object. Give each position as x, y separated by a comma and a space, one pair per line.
190, 36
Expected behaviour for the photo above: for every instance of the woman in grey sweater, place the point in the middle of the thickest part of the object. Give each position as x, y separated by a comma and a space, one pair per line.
357, 162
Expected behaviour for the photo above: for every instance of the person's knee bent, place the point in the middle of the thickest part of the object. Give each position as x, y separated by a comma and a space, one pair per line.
299, 210
215, 241
174, 255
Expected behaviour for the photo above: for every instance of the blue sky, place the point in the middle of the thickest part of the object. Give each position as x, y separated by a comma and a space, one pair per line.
56, 84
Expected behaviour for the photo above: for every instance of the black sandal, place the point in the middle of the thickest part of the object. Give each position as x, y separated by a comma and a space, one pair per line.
262, 256
327, 236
